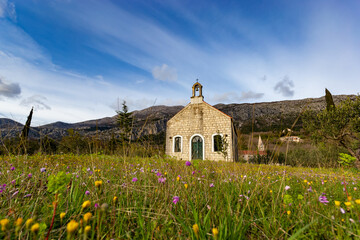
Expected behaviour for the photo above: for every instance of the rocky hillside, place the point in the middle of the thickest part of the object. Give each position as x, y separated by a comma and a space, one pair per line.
266, 116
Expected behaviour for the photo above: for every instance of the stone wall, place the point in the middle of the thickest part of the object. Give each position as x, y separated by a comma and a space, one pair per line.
199, 119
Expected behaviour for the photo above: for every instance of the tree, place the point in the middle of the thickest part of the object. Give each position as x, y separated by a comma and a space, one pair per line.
125, 121
340, 125
25, 132
329, 100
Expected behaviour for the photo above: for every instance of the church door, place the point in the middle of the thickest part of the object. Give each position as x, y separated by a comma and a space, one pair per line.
196, 148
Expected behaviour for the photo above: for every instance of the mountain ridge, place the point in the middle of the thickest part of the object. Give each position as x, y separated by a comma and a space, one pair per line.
152, 120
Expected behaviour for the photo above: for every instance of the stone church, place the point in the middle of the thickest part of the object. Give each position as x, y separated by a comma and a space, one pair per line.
200, 131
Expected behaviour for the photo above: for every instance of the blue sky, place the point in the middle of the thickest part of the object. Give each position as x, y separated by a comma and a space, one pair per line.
73, 60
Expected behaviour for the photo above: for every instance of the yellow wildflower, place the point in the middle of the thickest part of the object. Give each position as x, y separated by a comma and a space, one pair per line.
305, 181
98, 183
115, 199
348, 204
357, 201
337, 203
72, 226
87, 229
186, 186
288, 212
215, 232
62, 215
35, 228
4, 222
177, 178
271, 191
196, 229
87, 216
86, 204
18, 222
29, 222
349, 198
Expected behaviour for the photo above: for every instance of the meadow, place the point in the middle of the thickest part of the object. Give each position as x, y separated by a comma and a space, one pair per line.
111, 197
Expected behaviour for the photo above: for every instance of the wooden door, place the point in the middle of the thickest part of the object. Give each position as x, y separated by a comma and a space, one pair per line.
197, 148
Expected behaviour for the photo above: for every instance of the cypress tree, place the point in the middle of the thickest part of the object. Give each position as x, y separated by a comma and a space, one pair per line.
329, 100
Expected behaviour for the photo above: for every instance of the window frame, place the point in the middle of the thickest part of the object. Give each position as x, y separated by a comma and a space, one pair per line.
181, 143
213, 141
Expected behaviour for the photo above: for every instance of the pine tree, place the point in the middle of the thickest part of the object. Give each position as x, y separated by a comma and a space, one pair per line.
125, 121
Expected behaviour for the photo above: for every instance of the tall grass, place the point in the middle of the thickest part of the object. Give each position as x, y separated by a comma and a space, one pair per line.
241, 201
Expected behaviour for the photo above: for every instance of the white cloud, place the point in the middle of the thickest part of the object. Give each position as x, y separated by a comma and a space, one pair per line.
9, 90
284, 87
7, 9
164, 73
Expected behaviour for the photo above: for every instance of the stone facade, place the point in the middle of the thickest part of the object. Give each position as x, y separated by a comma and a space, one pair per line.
200, 131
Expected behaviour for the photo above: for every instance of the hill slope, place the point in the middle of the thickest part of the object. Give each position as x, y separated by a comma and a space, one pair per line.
152, 120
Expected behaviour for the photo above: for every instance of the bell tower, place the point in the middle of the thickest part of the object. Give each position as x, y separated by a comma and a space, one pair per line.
197, 96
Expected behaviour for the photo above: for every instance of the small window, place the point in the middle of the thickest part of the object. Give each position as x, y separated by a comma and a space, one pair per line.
218, 143
177, 144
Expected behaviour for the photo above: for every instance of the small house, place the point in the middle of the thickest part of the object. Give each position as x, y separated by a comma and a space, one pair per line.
200, 131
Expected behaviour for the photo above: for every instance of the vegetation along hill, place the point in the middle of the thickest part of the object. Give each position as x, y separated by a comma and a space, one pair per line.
257, 117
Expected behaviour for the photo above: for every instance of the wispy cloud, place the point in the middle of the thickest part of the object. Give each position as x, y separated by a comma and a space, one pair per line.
36, 101
9, 90
284, 87
7, 9
164, 73
235, 97
236, 57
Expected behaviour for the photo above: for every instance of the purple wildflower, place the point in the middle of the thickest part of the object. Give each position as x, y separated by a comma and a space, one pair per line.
27, 195
287, 188
14, 194
87, 192
134, 179
43, 169
188, 163
13, 181
96, 205
162, 180
342, 210
158, 174
29, 175
176, 199
212, 185
323, 199
310, 189
12, 168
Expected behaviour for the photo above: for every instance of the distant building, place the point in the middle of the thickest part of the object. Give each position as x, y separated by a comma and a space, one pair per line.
291, 139
200, 131
250, 154
261, 146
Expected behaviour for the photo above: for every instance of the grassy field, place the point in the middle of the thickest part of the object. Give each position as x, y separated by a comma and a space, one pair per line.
109, 197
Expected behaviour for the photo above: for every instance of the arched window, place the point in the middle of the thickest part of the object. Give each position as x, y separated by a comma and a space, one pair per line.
177, 144
217, 143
